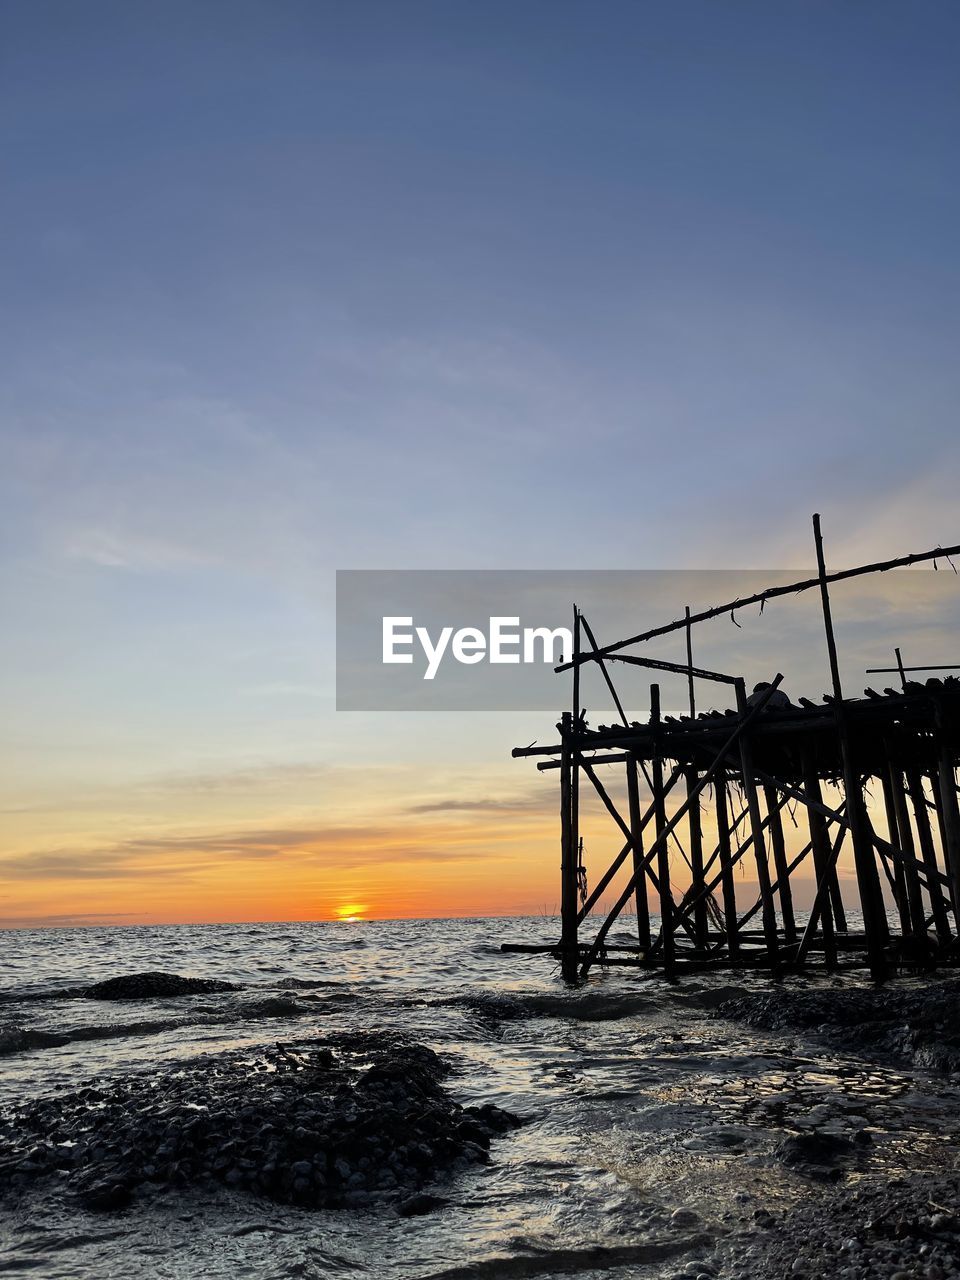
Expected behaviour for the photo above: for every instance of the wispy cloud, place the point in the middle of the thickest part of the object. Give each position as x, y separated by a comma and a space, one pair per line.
186, 856
531, 802
113, 550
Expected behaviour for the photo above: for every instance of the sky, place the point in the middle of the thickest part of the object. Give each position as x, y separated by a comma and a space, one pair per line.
297, 286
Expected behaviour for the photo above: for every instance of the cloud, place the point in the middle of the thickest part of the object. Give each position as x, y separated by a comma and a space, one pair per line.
111, 550
267, 777
533, 802
72, 918
187, 856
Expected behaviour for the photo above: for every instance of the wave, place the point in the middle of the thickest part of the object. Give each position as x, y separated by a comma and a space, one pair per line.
19, 1039
562, 1262
590, 1006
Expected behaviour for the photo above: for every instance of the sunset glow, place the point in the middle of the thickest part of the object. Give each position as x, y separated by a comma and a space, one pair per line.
352, 912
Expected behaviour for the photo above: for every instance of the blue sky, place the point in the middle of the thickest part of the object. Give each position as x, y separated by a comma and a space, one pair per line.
297, 286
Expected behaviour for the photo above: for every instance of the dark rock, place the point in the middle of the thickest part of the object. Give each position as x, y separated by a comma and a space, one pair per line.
816, 1148
148, 986
107, 1196
419, 1204
916, 1025
344, 1121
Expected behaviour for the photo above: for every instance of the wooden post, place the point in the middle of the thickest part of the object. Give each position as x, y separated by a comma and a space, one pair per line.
868, 881
902, 893
756, 831
569, 886
928, 851
903, 674
950, 821
690, 689
823, 861
576, 729
906, 843
696, 860
780, 863
663, 852
636, 833
727, 882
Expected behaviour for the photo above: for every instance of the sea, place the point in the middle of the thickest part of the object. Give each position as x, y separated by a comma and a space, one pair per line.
647, 1114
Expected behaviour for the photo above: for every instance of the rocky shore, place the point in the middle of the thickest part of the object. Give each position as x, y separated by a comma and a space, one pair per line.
918, 1025
855, 1221
336, 1121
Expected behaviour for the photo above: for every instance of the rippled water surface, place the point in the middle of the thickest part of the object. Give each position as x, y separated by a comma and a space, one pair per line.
639, 1102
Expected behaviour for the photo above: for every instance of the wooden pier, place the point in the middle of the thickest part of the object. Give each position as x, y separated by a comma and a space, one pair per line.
875, 775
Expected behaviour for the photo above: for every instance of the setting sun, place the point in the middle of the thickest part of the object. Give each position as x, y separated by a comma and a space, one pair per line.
352, 911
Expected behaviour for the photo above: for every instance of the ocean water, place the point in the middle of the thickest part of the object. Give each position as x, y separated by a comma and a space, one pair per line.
648, 1118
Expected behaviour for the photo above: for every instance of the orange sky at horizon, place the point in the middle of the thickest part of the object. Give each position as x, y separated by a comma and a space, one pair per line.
498, 859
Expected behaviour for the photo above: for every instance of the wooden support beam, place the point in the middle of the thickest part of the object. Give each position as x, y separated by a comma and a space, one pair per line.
691, 689
696, 860
728, 885
606, 674
904, 829
772, 593
827, 859
731, 860
663, 849
779, 847
658, 664
616, 757
868, 882
569, 887
949, 813
928, 850
756, 831
636, 832
611, 808
909, 896
661, 839
604, 881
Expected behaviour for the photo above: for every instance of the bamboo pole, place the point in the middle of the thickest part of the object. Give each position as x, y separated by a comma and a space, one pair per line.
727, 882
901, 890
569, 953
761, 597
868, 882
706, 778
756, 832
663, 849
928, 850
696, 859
604, 881
906, 843
780, 862
948, 810
691, 692
611, 808
640, 880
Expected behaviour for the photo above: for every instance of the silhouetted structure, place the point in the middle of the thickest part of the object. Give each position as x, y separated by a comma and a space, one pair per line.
748, 764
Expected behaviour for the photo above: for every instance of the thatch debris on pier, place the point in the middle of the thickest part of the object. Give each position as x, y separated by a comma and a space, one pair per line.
900, 744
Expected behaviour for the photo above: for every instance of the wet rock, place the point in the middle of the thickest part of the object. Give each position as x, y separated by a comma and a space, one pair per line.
419, 1204
684, 1218
817, 1148
106, 1196
149, 986
915, 1025
273, 1007
343, 1121
20, 1039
